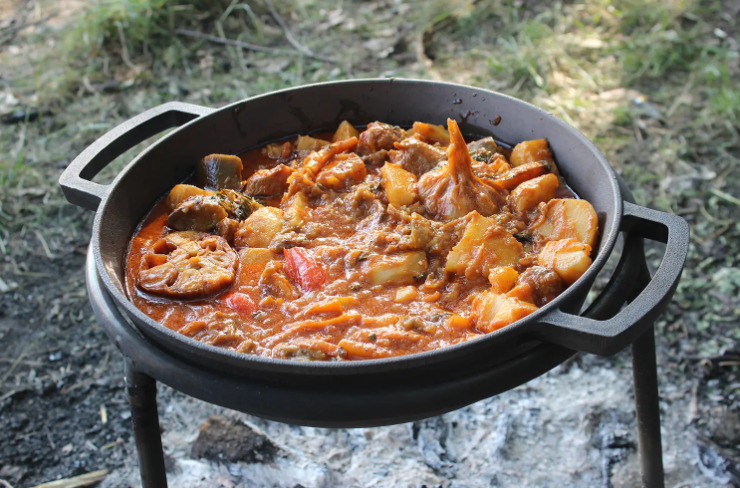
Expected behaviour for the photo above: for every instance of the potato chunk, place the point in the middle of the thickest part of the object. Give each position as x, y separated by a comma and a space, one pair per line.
252, 263
259, 229
342, 171
307, 144
180, 193
484, 245
531, 193
532, 151
502, 279
396, 269
492, 311
270, 181
344, 132
254, 256
567, 218
399, 185
431, 134
406, 294
567, 257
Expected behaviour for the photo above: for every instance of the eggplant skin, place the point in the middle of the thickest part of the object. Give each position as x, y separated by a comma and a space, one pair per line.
220, 171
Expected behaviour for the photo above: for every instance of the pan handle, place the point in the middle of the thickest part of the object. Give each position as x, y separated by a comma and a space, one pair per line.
607, 337
76, 180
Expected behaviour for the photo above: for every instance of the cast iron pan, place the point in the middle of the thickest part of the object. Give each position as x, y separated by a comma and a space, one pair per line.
232, 129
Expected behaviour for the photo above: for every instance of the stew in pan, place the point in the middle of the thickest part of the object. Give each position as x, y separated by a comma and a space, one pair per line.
357, 245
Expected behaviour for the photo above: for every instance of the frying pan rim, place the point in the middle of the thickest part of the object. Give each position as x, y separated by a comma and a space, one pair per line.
187, 345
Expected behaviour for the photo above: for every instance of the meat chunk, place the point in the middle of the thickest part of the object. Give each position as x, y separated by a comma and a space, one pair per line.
378, 136
454, 190
202, 213
304, 178
391, 231
199, 213
266, 182
416, 156
483, 149
218, 171
274, 282
188, 265
377, 158
545, 284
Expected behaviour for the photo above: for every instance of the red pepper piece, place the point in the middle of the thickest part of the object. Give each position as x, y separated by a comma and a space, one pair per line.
241, 302
301, 268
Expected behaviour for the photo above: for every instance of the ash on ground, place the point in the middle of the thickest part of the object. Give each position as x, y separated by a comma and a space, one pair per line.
573, 427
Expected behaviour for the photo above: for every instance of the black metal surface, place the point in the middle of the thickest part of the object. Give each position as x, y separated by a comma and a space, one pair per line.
300, 110
610, 336
76, 179
142, 397
645, 376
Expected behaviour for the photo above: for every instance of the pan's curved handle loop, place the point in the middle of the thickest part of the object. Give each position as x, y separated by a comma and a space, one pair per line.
76, 180
607, 337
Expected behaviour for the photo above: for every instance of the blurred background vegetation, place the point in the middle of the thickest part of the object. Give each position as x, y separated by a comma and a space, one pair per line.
653, 83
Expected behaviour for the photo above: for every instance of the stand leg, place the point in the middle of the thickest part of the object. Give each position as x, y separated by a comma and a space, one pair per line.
648, 411
142, 396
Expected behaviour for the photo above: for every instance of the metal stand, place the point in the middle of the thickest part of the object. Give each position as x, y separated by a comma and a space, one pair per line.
142, 397
645, 374
142, 394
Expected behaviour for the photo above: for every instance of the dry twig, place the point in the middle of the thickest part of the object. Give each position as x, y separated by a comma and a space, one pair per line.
87, 479
230, 42
124, 49
289, 35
